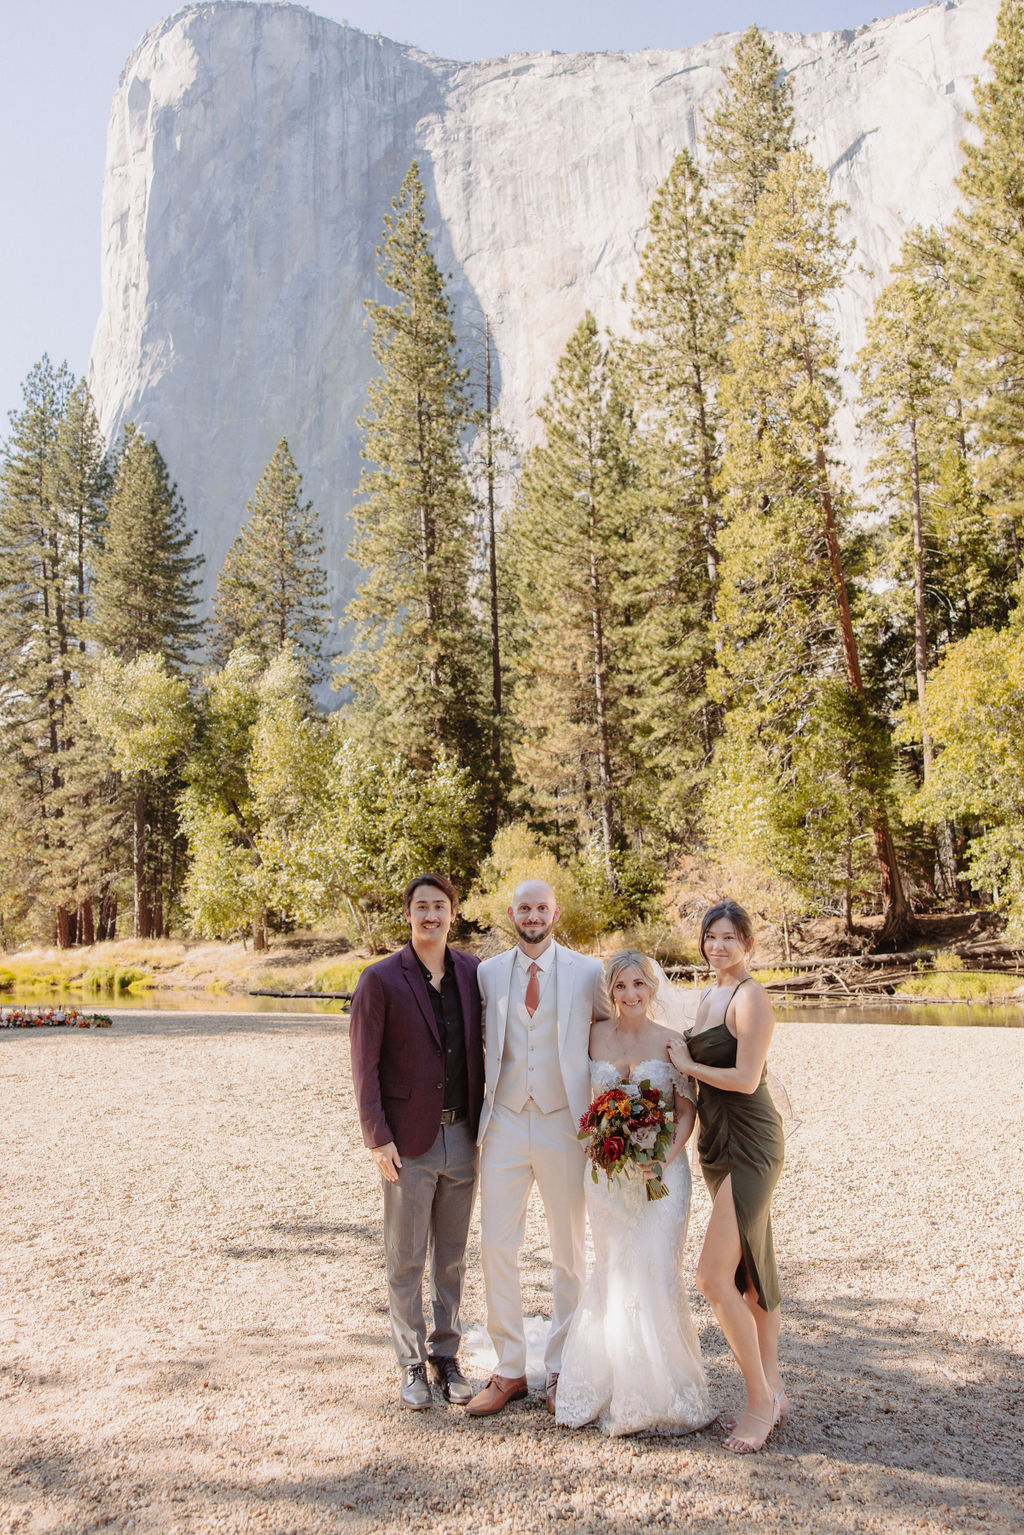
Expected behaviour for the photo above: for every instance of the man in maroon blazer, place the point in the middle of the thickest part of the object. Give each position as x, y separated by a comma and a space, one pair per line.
418, 1073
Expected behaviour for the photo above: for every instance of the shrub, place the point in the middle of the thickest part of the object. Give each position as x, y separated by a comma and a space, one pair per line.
947, 978
588, 907
100, 978
273, 980
342, 975
132, 980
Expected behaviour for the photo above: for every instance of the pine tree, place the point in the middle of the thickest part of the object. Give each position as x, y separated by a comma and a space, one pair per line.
272, 588
491, 465
748, 134
145, 581
906, 373
974, 707
139, 709
784, 612
51, 501
418, 663
971, 566
226, 889
675, 368
683, 312
144, 606
569, 538
938, 541
988, 239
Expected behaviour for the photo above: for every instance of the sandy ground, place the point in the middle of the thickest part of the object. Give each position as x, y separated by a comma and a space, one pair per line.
193, 1323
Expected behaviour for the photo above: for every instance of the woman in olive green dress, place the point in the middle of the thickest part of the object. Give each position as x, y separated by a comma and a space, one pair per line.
741, 1153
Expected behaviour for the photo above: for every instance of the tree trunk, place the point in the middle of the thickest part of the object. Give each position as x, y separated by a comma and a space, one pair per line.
108, 916
707, 496
604, 770
86, 925
943, 843
65, 928
786, 949
427, 549
492, 571
141, 924
898, 919
920, 616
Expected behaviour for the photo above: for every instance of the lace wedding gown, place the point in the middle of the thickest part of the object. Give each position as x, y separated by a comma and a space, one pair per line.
632, 1360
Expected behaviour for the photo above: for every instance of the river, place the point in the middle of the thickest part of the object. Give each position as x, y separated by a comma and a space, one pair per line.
946, 1015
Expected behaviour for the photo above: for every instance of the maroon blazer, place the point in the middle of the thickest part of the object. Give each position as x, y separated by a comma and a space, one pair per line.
397, 1064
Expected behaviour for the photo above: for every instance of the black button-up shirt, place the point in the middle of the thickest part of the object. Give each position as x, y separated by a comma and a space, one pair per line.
451, 1031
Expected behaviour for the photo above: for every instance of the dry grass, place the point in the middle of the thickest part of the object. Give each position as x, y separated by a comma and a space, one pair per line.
946, 979
204, 965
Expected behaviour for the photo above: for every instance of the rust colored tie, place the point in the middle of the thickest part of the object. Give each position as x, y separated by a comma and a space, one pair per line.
532, 991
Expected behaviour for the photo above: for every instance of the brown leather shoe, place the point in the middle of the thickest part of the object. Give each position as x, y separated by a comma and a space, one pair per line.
497, 1393
551, 1386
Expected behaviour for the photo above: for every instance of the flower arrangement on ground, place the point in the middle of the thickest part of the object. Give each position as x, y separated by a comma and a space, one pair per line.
627, 1128
51, 1018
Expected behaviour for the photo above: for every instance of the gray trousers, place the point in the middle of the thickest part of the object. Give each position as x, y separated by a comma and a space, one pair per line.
427, 1211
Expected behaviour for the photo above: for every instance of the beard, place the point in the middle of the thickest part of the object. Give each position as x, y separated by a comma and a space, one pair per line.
534, 934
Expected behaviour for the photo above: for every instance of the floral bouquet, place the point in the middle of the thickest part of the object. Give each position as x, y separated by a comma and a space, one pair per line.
629, 1126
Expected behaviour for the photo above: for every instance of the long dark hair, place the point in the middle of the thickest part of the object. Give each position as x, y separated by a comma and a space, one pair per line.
733, 913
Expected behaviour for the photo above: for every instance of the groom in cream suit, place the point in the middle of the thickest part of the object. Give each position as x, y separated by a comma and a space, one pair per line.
539, 1002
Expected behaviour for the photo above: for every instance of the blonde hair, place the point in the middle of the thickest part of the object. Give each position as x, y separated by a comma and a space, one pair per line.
630, 959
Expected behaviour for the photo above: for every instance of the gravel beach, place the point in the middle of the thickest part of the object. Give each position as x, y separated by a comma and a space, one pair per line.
193, 1328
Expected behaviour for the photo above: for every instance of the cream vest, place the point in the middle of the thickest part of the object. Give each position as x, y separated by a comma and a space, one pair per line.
530, 1067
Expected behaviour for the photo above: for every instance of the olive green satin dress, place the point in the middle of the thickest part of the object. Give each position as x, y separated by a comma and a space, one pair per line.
741, 1134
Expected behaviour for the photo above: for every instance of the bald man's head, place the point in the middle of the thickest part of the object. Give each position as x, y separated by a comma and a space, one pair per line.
534, 912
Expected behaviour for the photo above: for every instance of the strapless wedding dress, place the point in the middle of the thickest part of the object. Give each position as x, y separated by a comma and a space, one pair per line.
632, 1361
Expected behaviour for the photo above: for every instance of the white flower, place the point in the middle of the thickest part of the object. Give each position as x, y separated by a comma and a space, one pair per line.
631, 1090
645, 1139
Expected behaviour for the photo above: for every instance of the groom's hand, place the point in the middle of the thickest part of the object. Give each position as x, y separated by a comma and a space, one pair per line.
388, 1161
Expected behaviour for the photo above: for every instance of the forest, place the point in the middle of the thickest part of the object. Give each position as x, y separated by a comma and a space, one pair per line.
670, 637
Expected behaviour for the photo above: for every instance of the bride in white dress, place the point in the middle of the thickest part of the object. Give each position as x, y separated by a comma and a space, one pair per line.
632, 1361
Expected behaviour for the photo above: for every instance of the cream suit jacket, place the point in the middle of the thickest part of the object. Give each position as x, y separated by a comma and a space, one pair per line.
580, 999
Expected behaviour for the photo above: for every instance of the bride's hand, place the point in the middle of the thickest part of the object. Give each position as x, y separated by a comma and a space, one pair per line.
679, 1055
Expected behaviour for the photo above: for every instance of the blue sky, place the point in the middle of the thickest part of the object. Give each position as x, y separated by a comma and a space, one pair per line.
60, 64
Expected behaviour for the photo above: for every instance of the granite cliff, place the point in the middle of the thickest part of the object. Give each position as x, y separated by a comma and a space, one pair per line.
252, 152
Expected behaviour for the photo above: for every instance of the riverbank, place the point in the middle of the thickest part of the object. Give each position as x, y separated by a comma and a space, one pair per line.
193, 1331
304, 962
311, 963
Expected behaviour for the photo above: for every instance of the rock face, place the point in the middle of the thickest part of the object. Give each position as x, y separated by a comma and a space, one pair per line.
253, 150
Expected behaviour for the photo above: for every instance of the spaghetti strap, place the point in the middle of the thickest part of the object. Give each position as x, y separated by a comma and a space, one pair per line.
735, 989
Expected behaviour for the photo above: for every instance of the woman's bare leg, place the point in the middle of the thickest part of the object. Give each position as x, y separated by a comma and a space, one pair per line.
716, 1281
767, 1324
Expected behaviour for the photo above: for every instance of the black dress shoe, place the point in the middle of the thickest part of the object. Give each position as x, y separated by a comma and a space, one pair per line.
415, 1392
455, 1388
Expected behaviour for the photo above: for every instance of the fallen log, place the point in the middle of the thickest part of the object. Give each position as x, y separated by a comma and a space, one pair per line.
306, 996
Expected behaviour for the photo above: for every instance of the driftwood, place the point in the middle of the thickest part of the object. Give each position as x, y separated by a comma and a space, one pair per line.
874, 977
306, 996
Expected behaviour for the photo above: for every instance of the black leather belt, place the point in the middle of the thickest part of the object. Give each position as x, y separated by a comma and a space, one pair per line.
453, 1116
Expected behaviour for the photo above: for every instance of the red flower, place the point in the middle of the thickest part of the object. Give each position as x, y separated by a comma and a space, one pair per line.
613, 1149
